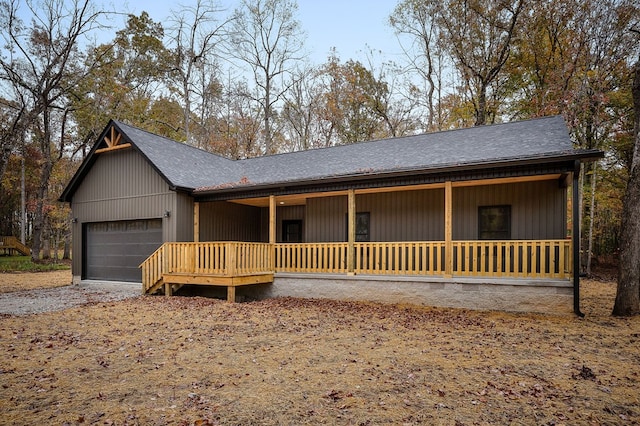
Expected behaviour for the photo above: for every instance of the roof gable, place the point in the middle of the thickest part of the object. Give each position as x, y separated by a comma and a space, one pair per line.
182, 166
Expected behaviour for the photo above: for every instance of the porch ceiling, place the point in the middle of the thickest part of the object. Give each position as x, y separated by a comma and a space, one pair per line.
301, 199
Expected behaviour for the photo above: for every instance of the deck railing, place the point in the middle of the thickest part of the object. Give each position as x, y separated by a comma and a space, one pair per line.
514, 258
311, 257
229, 259
400, 258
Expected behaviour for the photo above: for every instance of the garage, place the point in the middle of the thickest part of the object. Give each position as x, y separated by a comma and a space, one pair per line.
113, 250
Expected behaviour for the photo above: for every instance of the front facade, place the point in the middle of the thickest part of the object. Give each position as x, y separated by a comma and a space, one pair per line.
414, 219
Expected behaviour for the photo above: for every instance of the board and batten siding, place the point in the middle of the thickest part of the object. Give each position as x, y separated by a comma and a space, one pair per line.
325, 219
538, 209
395, 216
227, 221
122, 185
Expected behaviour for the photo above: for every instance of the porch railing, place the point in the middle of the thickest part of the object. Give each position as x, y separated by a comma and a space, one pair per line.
228, 259
514, 258
311, 257
400, 258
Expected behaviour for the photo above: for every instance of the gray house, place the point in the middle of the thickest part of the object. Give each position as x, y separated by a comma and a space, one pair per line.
473, 218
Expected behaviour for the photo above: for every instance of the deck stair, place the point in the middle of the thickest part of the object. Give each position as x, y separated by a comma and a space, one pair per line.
10, 244
228, 264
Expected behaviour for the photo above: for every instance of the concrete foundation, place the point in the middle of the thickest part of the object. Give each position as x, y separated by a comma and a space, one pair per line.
516, 295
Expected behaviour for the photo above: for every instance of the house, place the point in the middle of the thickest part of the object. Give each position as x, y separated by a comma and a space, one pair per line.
474, 218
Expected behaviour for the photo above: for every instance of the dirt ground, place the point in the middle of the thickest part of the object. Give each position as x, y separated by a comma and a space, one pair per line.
12, 282
195, 361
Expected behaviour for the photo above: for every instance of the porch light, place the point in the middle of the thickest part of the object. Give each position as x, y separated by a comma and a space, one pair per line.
167, 213
281, 203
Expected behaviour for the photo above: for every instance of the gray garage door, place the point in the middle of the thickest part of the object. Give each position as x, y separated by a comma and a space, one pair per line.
115, 249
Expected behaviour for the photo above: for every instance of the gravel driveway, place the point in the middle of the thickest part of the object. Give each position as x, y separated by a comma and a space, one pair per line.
60, 298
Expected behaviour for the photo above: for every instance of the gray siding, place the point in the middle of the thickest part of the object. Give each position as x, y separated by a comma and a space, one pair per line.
538, 209
183, 209
395, 216
121, 185
325, 219
404, 216
225, 221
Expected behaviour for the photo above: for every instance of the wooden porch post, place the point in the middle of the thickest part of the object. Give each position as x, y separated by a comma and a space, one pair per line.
196, 222
272, 231
351, 231
448, 232
272, 219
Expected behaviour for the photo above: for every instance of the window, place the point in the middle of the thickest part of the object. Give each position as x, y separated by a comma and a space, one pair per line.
363, 221
291, 231
494, 222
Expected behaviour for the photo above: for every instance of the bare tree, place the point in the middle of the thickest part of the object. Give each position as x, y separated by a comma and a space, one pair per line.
268, 38
195, 35
300, 113
480, 36
417, 20
43, 66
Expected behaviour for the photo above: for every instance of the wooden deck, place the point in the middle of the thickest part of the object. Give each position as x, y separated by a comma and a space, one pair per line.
227, 264
12, 244
233, 264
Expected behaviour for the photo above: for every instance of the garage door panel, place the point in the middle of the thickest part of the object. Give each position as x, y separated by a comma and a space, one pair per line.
115, 249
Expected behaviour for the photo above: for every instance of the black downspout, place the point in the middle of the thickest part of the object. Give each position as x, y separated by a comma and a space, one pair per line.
576, 239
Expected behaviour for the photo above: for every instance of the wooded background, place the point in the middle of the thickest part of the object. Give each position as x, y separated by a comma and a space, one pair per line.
239, 83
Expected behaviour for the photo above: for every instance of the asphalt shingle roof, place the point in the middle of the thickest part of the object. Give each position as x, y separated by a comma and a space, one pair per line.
188, 168
476, 145
182, 165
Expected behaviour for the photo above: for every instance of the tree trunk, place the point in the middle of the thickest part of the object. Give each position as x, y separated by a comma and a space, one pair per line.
481, 113
39, 215
67, 246
592, 214
67, 239
46, 247
23, 202
628, 293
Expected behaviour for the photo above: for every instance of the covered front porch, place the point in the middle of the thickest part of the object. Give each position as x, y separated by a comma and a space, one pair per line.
470, 262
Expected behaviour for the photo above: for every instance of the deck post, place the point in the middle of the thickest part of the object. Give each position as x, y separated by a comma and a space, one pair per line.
351, 239
448, 233
272, 219
196, 222
231, 294
272, 229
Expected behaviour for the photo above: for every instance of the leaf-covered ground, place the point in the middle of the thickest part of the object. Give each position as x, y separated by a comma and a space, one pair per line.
184, 361
17, 281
